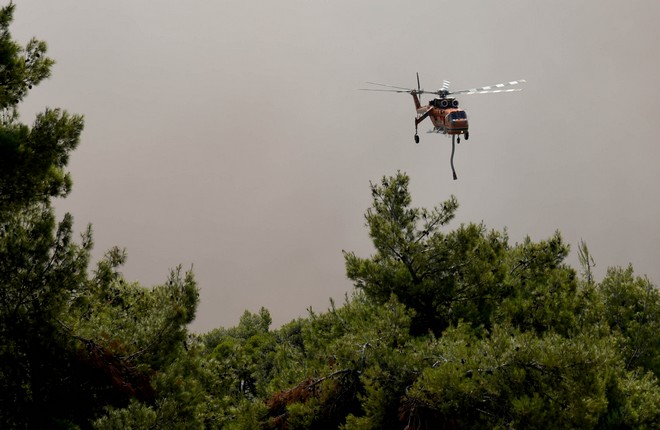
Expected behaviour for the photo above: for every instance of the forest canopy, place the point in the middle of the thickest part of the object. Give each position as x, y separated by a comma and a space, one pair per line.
448, 326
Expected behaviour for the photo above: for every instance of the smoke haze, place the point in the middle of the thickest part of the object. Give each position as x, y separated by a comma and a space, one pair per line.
230, 136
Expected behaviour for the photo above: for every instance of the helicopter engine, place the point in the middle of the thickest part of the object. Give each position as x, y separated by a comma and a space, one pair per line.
444, 103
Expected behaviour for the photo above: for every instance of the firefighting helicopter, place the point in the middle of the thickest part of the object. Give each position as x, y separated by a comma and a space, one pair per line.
445, 115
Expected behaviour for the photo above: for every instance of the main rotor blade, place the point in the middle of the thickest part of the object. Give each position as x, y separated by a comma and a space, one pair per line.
392, 86
510, 90
497, 88
389, 91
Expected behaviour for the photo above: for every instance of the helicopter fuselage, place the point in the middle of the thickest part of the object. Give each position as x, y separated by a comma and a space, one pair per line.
445, 115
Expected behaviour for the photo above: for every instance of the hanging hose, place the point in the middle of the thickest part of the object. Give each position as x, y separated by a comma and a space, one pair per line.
453, 146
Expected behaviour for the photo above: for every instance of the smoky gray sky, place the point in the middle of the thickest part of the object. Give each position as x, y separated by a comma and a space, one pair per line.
230, 135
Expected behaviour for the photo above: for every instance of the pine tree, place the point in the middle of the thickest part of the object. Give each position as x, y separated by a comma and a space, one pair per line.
40, 266
77, 349
444, 277
460, 329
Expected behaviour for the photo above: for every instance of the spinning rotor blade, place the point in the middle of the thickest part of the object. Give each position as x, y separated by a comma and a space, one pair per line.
444, 91
445, 86
391, 86
497, 88
389, 91
510, 90
395, 88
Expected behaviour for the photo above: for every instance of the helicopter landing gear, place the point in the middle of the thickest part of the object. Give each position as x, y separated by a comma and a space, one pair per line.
458, 139
467, 135
416, 138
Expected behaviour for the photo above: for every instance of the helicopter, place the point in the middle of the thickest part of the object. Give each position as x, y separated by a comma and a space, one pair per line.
444, 112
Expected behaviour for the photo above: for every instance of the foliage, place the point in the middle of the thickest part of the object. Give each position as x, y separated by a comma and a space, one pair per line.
443, 277
543, 291
512, 379
632, 310
32, 159
457, 329
74, 346
21, 67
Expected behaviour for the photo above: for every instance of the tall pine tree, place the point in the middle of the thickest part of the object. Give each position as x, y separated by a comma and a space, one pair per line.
76, 349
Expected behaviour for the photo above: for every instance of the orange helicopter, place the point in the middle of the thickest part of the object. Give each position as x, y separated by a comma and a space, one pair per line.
445, 115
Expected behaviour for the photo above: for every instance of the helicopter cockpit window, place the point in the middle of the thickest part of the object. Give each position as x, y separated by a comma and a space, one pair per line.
458, 115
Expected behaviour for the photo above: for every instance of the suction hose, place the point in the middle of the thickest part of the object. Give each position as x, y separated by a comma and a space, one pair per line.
453, 146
